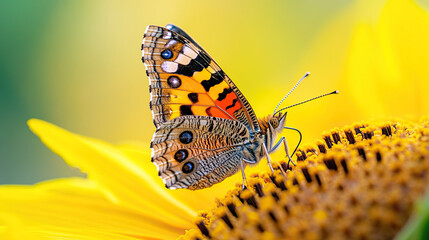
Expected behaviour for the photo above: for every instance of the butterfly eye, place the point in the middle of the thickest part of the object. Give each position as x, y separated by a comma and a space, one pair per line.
186, 137
181, 155
188, 167
174, 82
167, 54
274, 122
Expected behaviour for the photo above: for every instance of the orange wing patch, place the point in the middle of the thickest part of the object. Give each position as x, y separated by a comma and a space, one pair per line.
228, 100
184, 80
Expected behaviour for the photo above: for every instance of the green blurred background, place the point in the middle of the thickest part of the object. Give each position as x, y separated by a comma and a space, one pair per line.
77, 64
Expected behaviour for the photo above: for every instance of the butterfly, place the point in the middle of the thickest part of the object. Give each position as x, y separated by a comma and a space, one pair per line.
206, 130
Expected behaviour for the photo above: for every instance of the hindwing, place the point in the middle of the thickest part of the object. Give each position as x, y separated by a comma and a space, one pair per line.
185, 80
198, 151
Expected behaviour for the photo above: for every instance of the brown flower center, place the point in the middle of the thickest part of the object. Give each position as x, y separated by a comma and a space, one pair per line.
360, 182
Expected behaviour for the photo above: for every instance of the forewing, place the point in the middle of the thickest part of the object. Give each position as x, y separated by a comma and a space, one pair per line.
198, 151
185, 80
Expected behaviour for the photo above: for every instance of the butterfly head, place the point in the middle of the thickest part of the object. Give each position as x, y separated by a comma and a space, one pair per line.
271, 126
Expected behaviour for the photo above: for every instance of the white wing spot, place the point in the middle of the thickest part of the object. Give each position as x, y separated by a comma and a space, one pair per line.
169, 67
170, 43
183, 59
167, 35
189, 52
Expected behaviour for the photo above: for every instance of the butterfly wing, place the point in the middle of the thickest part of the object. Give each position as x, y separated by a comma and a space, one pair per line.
202, 119
185, 80
198, 151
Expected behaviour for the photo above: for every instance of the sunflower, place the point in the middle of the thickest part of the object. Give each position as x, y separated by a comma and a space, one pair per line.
358, 182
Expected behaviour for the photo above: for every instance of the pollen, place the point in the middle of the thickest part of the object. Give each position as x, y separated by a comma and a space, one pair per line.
357, 182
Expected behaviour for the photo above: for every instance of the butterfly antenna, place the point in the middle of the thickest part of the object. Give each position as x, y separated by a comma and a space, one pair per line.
294, 105
296, 85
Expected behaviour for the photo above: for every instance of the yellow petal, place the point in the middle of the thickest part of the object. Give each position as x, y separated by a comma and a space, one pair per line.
199, 199
11, 228
126, 182
74, 209
388, 60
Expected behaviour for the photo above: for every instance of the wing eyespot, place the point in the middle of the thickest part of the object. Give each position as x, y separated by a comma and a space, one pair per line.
181, 155
174, 82
167, 54
186, 137
188, 167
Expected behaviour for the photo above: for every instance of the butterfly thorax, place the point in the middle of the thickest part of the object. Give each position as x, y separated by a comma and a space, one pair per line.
271, 126
252, 151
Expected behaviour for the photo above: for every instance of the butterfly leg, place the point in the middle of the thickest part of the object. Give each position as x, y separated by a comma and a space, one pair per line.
243, 175
268, 157
283, 140
287, 151
277, 145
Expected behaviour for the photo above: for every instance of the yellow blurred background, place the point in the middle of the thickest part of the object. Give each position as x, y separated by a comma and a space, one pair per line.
77, 64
